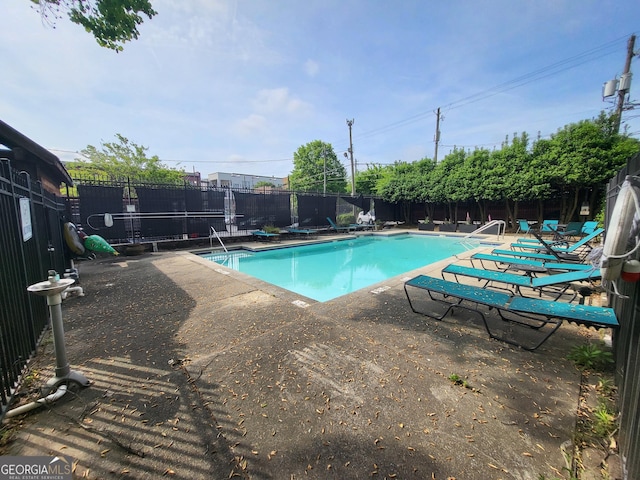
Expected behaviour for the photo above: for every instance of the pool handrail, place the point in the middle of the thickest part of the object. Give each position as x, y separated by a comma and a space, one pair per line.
211, 234
502, 225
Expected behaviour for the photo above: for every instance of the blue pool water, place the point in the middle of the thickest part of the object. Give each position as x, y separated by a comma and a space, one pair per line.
328, 270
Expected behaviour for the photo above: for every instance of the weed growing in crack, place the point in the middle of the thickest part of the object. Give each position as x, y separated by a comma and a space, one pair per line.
591, 356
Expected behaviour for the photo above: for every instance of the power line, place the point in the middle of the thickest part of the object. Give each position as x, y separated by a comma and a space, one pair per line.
190, 161
536, 75
544, 72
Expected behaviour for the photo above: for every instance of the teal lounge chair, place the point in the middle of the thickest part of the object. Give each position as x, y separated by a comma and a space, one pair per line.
555, 284
548, 226
339, 229
264, 236
302, 232
572, 230
589, 227
542, 315
352, 227
580, 247
560, 257
506, 262
523, 226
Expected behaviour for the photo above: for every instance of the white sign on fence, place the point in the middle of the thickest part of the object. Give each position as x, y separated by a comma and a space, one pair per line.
25, 219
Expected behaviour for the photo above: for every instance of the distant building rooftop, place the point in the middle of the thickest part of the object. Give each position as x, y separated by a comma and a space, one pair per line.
241, 180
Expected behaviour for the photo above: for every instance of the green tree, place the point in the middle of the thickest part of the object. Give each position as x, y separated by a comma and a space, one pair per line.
314, 162
451, 181
581, 158
367, 180
472, 182
264, 183
509, 177
406, 183
121, 160
112, 22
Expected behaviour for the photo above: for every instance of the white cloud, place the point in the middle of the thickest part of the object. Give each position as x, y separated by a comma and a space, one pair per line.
212, 32
279, 101
252, 124
311, 68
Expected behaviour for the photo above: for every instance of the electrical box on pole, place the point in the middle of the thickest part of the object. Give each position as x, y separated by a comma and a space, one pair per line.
610, 88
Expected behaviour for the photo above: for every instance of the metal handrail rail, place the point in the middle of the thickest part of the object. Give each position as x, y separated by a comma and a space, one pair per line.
486, 226
492, 223
213, 230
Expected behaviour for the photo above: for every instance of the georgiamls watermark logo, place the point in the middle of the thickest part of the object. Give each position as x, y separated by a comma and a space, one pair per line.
35, 468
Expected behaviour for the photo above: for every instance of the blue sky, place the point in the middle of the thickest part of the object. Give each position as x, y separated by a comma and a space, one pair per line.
238, 86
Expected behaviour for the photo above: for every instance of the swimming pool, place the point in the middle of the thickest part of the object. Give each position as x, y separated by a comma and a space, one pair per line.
328, 270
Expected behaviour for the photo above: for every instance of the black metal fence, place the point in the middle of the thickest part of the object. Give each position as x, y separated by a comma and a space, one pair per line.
627, 347
142, 212
31, 243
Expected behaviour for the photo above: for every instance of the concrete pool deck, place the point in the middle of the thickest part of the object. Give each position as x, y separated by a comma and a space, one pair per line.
200, 372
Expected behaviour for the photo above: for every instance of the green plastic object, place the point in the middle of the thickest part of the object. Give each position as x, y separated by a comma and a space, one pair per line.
96, 243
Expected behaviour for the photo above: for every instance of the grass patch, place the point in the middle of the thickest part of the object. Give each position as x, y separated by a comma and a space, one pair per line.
591, 357
457, 380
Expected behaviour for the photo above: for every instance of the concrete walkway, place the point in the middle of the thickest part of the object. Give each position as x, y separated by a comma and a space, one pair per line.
200, 372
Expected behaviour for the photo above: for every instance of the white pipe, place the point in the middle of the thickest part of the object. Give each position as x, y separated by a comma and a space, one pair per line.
62, 389
73, 290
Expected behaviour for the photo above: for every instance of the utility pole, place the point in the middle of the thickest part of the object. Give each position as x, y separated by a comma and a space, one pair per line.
353, 172
622, 92
437, 135
324, 157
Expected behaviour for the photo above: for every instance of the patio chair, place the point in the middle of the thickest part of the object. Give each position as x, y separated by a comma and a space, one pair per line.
542, 315
589, 227
523, 226
572, 230
548, 226
555, 285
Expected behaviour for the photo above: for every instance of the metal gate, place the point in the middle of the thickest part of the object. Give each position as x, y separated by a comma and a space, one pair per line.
31, 243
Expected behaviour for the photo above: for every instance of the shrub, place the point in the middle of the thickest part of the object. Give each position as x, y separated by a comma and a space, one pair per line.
346, 219
271, 229
591, 356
